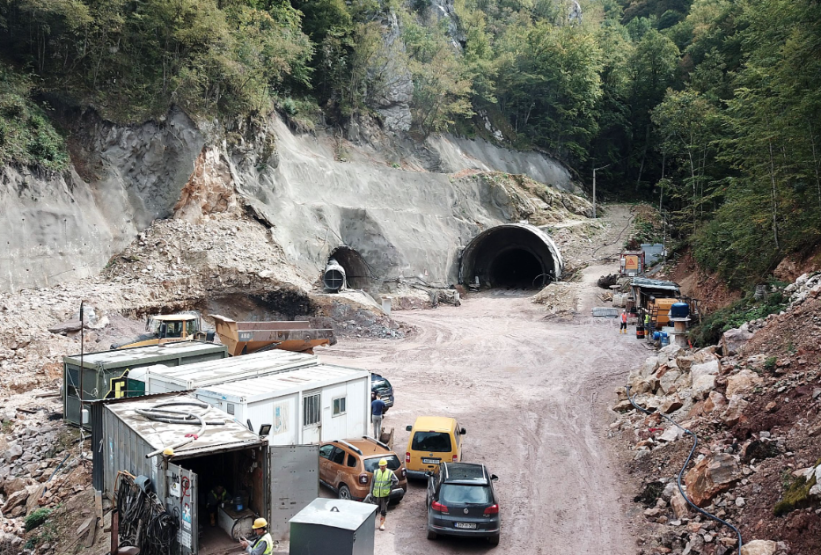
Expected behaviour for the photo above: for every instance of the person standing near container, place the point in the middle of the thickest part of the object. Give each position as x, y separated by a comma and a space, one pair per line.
384, 480
377, 410
623, 324
216, 497
263, 543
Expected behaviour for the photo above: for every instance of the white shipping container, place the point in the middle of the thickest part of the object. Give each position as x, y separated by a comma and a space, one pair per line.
164, 379
308, 405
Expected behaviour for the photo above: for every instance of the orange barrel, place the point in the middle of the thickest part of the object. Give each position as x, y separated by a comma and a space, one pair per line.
639, 332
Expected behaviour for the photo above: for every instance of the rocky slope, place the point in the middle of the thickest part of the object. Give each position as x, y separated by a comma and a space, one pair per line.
383, 194
755, 404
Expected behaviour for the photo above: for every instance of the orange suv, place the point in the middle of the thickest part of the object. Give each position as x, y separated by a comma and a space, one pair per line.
347, 466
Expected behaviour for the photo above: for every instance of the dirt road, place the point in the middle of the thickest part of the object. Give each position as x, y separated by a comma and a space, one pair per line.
532, 394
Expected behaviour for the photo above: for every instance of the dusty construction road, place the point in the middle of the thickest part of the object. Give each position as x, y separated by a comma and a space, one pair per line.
533, 395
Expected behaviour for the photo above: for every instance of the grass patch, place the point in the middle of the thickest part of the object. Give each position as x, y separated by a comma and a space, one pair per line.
709, 331
796, 496
36, 518
26, 134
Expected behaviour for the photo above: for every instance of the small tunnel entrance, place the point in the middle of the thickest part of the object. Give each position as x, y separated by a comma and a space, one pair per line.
516, 256
357, 272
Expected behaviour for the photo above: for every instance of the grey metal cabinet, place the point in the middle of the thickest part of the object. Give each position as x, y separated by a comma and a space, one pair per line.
334, 526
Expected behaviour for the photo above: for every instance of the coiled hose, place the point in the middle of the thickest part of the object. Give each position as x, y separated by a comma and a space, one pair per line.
171, 416
683, 468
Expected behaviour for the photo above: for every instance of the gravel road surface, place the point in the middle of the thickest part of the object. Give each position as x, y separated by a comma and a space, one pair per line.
533, 394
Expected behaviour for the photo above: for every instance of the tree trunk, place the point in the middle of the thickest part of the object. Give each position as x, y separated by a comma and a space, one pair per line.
815, 165
774, 198
643, 155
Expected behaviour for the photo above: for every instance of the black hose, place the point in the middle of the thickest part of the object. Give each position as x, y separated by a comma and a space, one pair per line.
683, 468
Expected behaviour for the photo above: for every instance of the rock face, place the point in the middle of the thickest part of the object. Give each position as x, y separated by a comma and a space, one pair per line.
390, 88
710, 477
67, 226
735, 411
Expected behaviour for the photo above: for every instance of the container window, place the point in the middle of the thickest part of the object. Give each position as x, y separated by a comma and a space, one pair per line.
311, 410
339, 406
230, 408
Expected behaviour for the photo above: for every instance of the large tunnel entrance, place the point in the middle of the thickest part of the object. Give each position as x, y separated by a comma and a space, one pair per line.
517, 256
357, 272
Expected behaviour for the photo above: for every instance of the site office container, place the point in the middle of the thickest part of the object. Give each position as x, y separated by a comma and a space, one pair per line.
279, 481
106, 373
308, 405
161, 379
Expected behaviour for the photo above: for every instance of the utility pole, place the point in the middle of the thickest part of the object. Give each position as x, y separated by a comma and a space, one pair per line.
594, 186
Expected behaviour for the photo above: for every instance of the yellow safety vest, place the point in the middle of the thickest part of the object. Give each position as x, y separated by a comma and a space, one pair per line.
269, 543
382, 482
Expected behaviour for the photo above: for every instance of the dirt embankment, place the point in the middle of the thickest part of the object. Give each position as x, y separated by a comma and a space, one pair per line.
711, 292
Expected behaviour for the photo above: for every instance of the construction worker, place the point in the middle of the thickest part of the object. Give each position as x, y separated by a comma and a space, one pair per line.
263, 543
216, 497
623, 324
377, 411
383, 482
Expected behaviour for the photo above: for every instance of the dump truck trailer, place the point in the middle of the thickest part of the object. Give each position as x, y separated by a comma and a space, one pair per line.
249, 337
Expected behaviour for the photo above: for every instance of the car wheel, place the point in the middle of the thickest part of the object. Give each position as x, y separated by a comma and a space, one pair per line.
385, 410
344, 492
432, 535
493, 540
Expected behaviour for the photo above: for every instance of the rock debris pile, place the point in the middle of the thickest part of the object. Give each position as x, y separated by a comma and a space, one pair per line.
755, 404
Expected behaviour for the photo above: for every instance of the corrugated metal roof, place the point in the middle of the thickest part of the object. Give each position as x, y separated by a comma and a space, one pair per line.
234, 368
230, 435
141, 355
350, 515
654, 284
285, 383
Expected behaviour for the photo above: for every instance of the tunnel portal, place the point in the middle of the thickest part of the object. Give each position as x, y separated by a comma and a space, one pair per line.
357, 274
517, 256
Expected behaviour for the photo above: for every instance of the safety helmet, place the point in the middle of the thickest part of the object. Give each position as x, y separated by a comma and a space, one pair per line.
383, 462
168, 452
260, 523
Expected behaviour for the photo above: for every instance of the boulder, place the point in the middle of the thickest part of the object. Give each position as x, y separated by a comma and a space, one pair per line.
759, 547
684, 362
649, 367
15, 500
733, 340
668, 380
681, 509
14, 451
711, 476
735, 411
743, 382
708, 354
704, 378
715, 402
671, 434
671, 404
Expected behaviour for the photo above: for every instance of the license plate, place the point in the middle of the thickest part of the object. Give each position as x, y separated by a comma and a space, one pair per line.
466, 525
430, 461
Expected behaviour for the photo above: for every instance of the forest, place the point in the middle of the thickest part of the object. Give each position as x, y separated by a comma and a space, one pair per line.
709, 109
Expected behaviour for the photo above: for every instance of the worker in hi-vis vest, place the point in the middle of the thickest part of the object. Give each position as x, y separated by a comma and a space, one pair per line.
263, 543
623, 325
383, 482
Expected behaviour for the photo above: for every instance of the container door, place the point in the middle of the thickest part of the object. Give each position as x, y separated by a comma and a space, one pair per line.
311, 417
294, 478
181, 499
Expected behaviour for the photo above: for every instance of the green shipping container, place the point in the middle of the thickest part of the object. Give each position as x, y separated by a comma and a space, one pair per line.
105, 373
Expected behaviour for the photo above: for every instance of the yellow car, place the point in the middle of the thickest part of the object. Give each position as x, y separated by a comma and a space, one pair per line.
433, 440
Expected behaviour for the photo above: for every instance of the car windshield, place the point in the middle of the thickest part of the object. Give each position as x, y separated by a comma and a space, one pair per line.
433, 442
373, 463
454, 494
381, 383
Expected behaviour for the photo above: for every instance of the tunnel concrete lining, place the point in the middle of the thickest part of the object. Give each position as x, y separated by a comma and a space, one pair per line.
512, 255
357, 272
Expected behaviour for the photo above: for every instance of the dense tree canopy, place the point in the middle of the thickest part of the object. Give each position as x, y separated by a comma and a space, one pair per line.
709, 107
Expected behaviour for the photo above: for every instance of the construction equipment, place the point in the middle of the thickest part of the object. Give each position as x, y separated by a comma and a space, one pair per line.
250, 337
169, 328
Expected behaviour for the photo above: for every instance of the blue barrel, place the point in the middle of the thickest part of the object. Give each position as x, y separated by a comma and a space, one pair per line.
680, 310
665, 340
